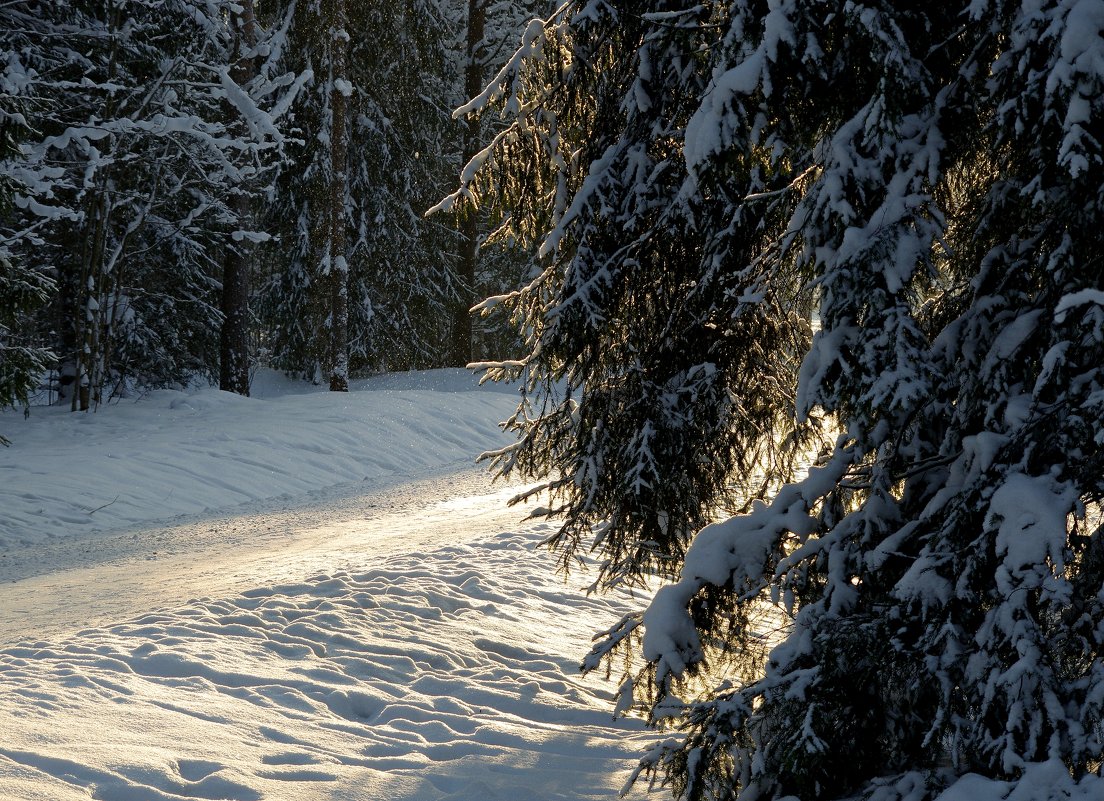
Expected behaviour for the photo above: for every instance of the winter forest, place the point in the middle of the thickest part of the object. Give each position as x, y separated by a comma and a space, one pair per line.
799, 308
193, 188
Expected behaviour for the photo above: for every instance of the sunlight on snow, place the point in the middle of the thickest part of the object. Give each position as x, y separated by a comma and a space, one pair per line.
449, 672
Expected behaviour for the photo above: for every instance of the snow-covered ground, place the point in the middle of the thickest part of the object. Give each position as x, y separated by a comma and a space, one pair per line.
173, 453
299, 595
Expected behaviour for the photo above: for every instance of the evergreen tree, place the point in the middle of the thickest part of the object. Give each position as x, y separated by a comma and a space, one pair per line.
400, 277
460, 339
758, 225
234, 356
334, 266
24, 356
411, 277
487, 265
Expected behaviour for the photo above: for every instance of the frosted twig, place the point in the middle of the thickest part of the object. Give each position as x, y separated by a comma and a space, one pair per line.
771, 193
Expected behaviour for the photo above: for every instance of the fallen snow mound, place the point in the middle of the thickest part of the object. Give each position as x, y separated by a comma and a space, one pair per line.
172, 453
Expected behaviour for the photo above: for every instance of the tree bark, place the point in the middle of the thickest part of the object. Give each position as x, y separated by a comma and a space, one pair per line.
90, 360
340, 89
460, 349
234, 335
88, 364
234, 361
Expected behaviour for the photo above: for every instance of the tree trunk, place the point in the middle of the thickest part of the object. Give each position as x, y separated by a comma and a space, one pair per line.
89, 357
234, 336
460, 346
90, 362
340, 89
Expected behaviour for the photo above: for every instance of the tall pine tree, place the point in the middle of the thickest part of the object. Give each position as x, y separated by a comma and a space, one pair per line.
25, 352
399, 277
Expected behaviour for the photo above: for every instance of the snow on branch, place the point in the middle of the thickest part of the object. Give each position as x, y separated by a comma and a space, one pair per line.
1082, 297
260, 123
739, 551
709, 131
598, 175
467, 176
531, 42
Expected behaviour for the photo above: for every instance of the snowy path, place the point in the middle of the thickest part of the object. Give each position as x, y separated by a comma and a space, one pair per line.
81, 582
416, 647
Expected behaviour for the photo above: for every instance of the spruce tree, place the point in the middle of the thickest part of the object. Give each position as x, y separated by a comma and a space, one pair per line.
815, 323
487, 264
400, 279
138, 142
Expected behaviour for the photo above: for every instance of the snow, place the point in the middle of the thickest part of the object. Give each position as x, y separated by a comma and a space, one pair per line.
298, 595
173, 453
307, 595
1079, 71
1081, 35
1015, 334
1030, 513
446, 674
709, 130
261, 125
599, 173
1041, 781
734, 551
1074, 299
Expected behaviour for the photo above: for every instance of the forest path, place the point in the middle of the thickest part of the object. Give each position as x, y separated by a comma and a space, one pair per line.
92, 581
410, 643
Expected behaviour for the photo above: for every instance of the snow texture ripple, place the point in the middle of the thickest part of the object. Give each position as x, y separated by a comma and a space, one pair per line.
445, 674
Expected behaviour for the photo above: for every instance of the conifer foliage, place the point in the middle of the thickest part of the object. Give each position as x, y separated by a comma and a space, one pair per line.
23, 291
759, 225
191, 188
394, 267
136, 144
